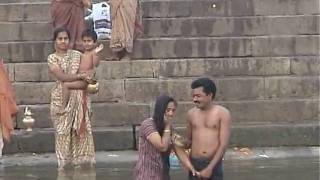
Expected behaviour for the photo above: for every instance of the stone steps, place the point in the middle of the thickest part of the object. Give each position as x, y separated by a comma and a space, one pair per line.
38, 10
179, 68
107, 114
184, 27
195, 47
122, 138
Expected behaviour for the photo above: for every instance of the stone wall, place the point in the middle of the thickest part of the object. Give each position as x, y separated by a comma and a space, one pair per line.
263, 55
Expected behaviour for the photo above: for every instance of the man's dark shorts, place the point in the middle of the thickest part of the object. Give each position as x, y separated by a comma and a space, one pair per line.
200, 164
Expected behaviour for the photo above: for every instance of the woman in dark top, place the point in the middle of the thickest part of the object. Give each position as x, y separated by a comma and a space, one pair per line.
155, 142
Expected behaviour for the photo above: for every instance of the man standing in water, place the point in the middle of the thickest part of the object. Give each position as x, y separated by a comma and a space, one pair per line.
208, 131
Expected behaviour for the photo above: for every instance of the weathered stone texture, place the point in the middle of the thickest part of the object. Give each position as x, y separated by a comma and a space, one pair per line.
285, 46
230, 26
276, 111
119, 114
305, 66
128, 69
32, 93
148, 90
109, 91
25, 12
37, 72
292, 87
41, 114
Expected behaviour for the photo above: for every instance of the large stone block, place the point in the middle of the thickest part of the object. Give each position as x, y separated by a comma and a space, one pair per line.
285, 7
111, 139
119, 114
26, 51
305, 65
192, 47
229, 89
285, 46
37, 141
280, 111
293, 25
277, 66
230, 26
42, 140
182, 48
184, 67
148, 89
39, 11
183, 8
32, 93
292, 87
29, 72
272, 135
225, 67
41, 114
128, 69
18, 31
109, 91
309, 45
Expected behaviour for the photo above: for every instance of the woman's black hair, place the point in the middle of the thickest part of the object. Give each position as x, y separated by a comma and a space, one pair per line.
59, 30
159, 111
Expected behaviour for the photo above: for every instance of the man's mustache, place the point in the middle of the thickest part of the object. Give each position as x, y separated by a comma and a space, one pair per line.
197, 102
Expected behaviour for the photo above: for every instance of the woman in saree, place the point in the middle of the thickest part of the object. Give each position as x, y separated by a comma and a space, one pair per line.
69, 14
73, 134
126, 26
8, 106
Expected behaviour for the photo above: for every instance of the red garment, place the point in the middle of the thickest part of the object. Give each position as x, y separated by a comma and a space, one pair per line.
8, 106
69, 14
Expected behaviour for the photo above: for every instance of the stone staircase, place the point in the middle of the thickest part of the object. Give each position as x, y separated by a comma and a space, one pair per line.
263, 55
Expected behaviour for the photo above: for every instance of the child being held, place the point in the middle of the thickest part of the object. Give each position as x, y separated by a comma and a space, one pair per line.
89, 60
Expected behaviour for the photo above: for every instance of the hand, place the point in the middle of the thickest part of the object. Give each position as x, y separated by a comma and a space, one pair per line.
193, 171
82, 76
99, 48
205, 173
168, 120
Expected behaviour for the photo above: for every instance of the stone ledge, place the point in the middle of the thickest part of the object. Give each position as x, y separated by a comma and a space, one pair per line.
122, 138
42, 140
184, 27
197, 47
28, 10
272, 135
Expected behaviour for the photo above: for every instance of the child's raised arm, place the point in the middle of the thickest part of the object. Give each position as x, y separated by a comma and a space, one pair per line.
95, 58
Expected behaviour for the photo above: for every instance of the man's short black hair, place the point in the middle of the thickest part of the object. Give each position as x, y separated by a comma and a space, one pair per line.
90, 33
208, 85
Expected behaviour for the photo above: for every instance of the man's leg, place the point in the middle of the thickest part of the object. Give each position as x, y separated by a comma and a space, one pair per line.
217, 173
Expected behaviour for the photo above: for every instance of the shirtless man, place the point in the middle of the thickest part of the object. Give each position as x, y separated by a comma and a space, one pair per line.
89, 61
208, 131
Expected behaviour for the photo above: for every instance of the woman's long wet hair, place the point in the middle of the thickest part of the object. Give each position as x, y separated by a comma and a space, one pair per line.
159, 111
59, 30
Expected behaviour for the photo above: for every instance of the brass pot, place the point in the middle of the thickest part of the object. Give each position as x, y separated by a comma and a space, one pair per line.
93, 88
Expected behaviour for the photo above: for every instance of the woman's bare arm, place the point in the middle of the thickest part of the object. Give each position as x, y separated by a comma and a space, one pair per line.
61, 76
